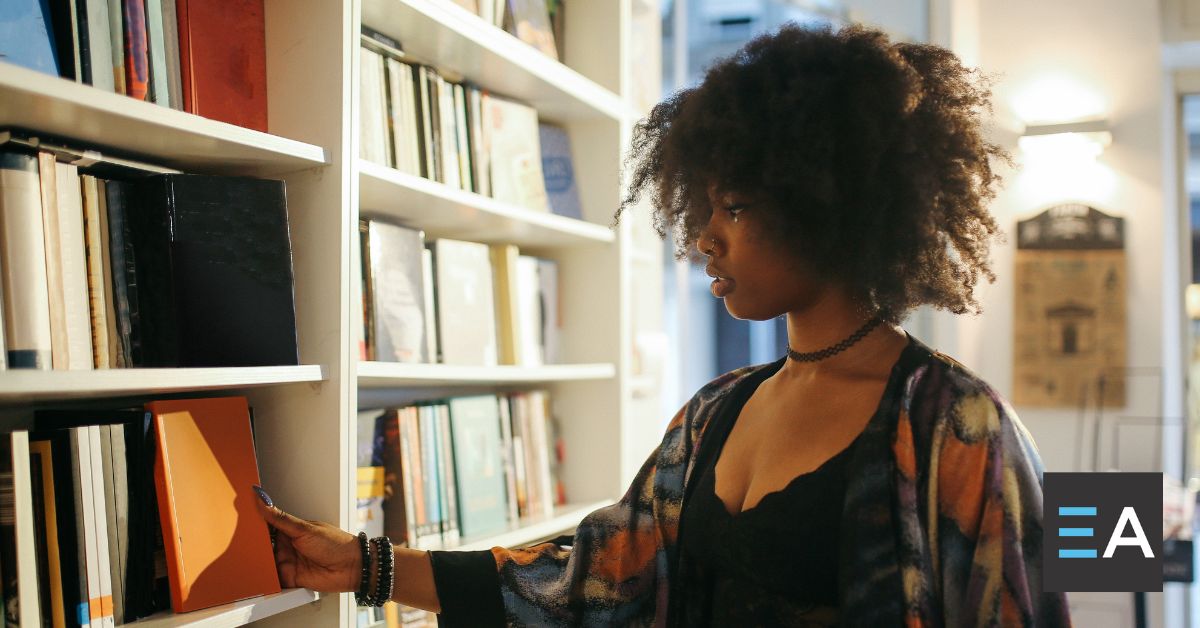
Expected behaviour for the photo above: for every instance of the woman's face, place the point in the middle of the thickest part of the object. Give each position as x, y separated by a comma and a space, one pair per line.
757, 277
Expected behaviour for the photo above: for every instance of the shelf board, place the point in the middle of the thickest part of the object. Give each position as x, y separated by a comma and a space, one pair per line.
395, 375
112, 122
29, 385
529, 531
445, 212
233, 614
452, 38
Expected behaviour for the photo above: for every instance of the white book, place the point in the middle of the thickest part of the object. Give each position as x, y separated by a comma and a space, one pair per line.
23, 262
27, 573
466, 315
116, 507
508, 460
449, 132
116, 34
56, 294
100, 515
540, 445
372, 123
548, 279
431, 330
82, 447
515, 154
412, 117
460, 131
479, 142
160, 91
100, 45
529, 312
400, 109
73, 251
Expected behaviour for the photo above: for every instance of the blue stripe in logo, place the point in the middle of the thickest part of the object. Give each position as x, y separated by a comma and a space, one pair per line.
1077, 511
1075, 531
1076, 553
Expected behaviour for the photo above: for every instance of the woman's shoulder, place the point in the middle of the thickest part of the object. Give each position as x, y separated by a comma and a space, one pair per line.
940, 389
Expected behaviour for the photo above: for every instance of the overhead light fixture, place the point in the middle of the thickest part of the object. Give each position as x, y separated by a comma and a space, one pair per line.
1072, 141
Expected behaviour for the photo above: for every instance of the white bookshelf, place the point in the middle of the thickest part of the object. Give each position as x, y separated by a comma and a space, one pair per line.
121, 125
305, 415
446, 212
18, 385
533, 530
234, 614
392, 374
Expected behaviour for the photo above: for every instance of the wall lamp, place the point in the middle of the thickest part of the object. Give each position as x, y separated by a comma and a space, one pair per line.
1073, 141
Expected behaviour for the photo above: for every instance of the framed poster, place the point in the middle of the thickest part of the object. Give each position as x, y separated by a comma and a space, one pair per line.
1069, 324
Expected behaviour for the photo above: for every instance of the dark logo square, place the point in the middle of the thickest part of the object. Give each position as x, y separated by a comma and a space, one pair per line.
1098, 530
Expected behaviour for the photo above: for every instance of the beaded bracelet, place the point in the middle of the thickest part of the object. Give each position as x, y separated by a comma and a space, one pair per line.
385, 575
360, 596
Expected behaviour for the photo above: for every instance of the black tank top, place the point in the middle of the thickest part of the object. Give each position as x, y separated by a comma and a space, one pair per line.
772, 565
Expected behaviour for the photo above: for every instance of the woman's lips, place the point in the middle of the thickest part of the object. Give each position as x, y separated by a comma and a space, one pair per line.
722, 286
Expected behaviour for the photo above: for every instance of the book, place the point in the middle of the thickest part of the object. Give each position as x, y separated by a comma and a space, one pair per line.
514, 154
137, 61
480, 162
170, 21
397, 293
46, 531
97, 288
478, 465
558, 171
462, 132
116, 510
370, 475
396, 511
22, 604
222, 57
432, 348
465, 303
86, 513
551, 310
64, 21
27, 35
507, 302
401, 109
116, 350
156, 52
447, 477
218, 547
414, 521
508, 461
373, 125
429, 148
529, 312
430, 476
538, 410
73, 265
47, 173
99, 49
116, 36
520, 441
367, 341
448, 132
198, 269
531, 24
23, 263
72, 581
123, 269
102, 613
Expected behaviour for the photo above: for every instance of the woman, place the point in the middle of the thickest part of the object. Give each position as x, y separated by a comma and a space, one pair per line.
840, 180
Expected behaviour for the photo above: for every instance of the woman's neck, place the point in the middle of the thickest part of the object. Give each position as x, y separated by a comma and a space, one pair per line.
827, 322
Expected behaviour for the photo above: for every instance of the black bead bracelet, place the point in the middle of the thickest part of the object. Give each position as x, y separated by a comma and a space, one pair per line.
385, 561
360, 596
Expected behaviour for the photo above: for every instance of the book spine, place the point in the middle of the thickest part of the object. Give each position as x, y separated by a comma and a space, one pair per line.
157, 52
183, 30
80, 442
137, 70
170, 23
47, 171
406, 476
431, 477
124, 272
99, 43
97, 298
507, 460
116, 36
166, 512
101, 528
427, 290
49, 514
150, 204
116, 349
449, 476
461, 133
27, 581
110, 455
449, 135
420, 121
433, 123
397, 106
73, 249
27, 299
366, 348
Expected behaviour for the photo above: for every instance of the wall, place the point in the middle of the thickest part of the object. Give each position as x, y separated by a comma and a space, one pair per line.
1061, 61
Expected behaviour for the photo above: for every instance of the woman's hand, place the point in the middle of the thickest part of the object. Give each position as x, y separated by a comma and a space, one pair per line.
312, 554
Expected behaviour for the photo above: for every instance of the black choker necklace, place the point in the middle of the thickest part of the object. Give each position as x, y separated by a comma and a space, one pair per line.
829, 352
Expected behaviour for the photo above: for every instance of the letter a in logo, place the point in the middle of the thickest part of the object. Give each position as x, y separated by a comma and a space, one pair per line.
1128, 516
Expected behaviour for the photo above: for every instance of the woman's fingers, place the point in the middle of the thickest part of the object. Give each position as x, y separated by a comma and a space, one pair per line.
285, 523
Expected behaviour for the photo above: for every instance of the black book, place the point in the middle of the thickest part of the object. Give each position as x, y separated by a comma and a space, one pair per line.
214, 271
123, 266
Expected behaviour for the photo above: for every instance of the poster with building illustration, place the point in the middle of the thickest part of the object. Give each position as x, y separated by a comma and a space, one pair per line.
1069, 325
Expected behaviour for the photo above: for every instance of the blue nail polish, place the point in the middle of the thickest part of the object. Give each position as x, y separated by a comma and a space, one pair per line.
266, 499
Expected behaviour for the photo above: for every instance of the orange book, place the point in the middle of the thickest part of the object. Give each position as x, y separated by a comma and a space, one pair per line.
223, 60
218, 548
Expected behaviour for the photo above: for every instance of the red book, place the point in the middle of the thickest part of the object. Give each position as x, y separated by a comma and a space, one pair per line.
223, 60
218, 547
137, 62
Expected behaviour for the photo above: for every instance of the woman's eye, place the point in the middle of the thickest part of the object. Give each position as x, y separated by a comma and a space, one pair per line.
734, 210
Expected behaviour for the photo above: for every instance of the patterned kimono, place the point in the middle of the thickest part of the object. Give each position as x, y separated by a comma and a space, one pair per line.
941, 525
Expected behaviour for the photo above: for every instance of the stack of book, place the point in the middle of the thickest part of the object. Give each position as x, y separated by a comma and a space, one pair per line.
141, 271
435, 474
100, 530
417, 121
455, 302
206, 58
